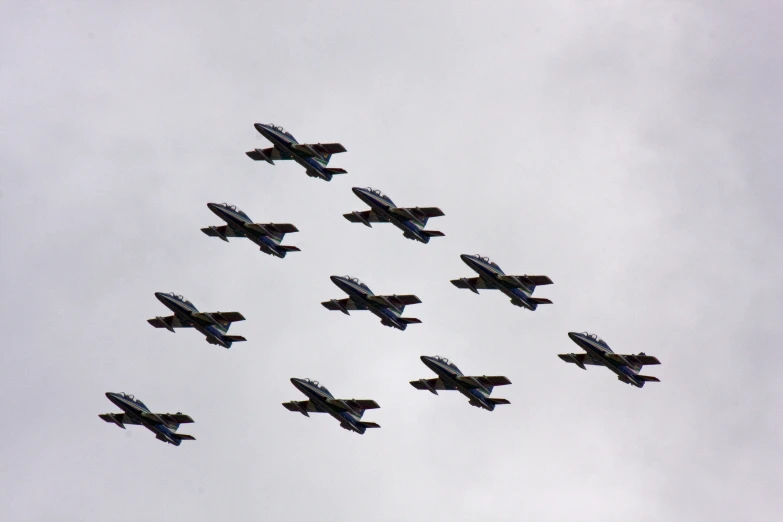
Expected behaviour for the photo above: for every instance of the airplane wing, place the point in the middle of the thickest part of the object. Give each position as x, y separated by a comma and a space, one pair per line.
272, 153
483, 381
432, 384
636, 360
169, 322
342, 305
353, 404
278, 229
579, 359
399, 300
303, 407
118, 418
368, 216
423, 212
221, 232
319, 149
472, 283
175, 418
219, 317
526, 280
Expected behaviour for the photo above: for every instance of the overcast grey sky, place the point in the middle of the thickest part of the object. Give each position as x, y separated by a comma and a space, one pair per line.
630, 152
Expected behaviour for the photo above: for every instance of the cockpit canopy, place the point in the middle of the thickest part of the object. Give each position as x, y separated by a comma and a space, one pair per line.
446, 362
132, 399
278, 128
355, 280
594, 337
317, 385
487, 260
377, 193
180, 298
234, 208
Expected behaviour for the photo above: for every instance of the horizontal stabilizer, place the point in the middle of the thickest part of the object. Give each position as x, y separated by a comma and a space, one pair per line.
183, 436
410, 320
334, 170
540, 300
648, 378
433, 233
369, 424
498, 401
234, 338
288, 248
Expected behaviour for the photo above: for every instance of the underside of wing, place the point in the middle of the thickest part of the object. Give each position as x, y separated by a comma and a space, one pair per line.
471, 283
228, 317
432, 384
529, 281
405, 299
353, 404
169, 322
635, 360
367, 216
303, 407
117, 418
493, 380
175, 418
342, 304
224, 231
579, 359
272, 153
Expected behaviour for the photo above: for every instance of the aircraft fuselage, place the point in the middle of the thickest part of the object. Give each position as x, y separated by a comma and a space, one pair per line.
381, 207
347, 419
214, 333
284, 144
448, 375
135, 412
597, 352
489, 274
269, 244
359, 295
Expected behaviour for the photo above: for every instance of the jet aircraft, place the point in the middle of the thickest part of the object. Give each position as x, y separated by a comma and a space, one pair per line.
268, 236
163, 425
491, 277
476, 389
313, 157
388, 308
383, 210
347, 412
214, 325
627, 367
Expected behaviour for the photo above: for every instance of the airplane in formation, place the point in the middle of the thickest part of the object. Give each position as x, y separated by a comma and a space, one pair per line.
268, 236
410, 220
348, 412
388, 308
313, 157
598, 353
519, 288
476, 389
214, 325
163, 425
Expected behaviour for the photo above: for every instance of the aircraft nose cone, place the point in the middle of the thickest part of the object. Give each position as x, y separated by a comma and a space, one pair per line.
259, 126
573, 335
211, 206
466, 258
335, 279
